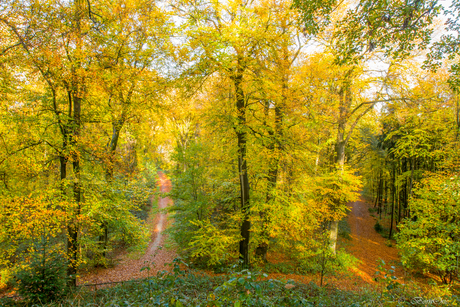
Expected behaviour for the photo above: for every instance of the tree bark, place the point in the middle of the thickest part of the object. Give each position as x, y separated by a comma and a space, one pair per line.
274, 147
393, 194
345, 101
334, 225
76, 97
241, 134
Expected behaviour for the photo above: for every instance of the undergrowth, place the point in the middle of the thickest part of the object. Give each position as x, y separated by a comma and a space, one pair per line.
183, 287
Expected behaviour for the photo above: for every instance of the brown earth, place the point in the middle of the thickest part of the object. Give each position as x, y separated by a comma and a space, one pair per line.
368, 245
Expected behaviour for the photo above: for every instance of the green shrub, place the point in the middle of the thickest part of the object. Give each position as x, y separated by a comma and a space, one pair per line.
43, 280
378, 227
5, 277
205, 214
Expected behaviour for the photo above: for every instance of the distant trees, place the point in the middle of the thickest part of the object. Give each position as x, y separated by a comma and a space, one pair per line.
418, 160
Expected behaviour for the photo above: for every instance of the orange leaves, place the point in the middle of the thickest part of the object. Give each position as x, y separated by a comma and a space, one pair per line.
27, 214
27, 220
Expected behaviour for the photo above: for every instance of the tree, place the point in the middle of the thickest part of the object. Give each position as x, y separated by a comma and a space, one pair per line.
128, 52
226, 38
428, 238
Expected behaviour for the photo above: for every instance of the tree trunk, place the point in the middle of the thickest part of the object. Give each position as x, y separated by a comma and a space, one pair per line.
109, 167
76, 96
377, 195
385, 198
340, 150
457, 117
272, 175
241, 134
393, 194
345, 102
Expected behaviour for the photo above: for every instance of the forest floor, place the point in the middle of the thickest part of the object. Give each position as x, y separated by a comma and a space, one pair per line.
156, 257
366, 245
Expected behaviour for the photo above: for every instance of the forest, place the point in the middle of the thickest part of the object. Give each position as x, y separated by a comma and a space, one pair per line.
271, 120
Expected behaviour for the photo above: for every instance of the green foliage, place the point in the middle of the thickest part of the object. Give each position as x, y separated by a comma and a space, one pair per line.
205, 222
212, 243
315, 14
326, 263
43, 279
121, 206
378, 227
28, 222
429, 239
244, 288
385, 276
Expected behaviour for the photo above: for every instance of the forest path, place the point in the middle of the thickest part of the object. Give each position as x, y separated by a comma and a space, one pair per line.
368, 245
156, 257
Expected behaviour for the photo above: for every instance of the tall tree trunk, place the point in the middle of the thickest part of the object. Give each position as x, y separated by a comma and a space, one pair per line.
398, 193
241, 134
403, 192
334, 225
272, 177
412, 165
76, 96
109, 167
385, 198
393, 195
345, 102
382, 184
377, 195
457, 116
73, 227
63, 159
275, 148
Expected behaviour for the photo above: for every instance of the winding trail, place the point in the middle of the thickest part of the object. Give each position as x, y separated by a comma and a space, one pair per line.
368, 245
155, 256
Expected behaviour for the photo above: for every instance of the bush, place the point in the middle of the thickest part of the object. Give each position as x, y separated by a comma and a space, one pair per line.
43, 280
378, 227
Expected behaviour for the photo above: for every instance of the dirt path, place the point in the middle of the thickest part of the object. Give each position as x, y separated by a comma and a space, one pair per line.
368, 245
156, 257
